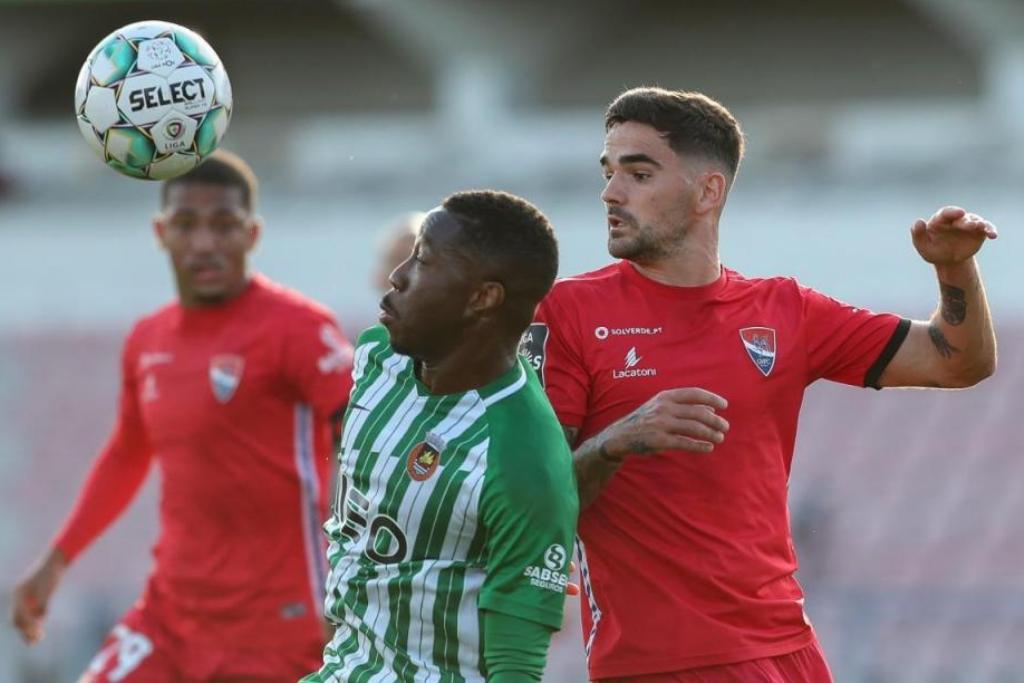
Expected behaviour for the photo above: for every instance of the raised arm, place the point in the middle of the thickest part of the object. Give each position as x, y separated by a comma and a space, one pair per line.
957, 347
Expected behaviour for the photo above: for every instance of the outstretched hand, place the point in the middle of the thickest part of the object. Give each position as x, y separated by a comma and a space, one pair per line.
951, 236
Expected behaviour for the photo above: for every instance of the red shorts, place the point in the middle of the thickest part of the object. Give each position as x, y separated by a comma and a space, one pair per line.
143, 649
803, 666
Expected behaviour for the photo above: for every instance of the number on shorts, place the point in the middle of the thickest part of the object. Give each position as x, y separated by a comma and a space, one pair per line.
130, 648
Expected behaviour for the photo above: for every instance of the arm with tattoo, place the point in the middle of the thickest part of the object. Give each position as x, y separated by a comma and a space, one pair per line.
957, 346
961, 329
676, 419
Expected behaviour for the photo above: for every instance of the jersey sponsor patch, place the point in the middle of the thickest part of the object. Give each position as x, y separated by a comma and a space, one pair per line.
225, 375
532, 347
760, 345
551, 573
630, 369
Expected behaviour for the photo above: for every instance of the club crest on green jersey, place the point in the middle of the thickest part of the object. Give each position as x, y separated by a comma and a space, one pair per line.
424, 459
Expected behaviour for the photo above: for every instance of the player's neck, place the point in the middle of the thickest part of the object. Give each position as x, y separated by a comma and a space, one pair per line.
472, 365
192, 300
695, 265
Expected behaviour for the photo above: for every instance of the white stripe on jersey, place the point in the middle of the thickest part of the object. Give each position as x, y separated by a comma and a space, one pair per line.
309, 502
509, 390
468, 502
362, 356
469, 620
588, 591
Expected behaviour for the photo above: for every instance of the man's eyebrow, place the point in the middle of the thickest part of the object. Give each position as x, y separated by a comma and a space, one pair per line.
638, 158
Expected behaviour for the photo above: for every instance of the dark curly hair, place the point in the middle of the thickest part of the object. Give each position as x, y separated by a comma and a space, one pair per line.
692, 122
512, 239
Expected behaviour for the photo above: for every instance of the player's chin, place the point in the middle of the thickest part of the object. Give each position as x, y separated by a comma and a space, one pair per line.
210, 292
395, 335
622, 247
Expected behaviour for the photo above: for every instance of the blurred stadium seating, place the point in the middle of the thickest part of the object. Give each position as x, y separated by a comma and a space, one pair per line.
861, 115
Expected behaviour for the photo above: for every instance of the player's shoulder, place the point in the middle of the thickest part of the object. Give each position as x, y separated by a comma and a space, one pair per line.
529, 463
289, 300
768, 286
155, 321
286, 305
375, 335
521, 423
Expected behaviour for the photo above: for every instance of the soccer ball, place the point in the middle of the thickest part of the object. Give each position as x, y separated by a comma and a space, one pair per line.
153, 99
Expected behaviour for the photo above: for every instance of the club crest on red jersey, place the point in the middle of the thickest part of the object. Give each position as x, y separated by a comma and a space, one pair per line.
422, 461
225, 375
760, 345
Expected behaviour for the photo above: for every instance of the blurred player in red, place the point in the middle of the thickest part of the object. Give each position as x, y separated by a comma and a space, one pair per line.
233, 391
688, 561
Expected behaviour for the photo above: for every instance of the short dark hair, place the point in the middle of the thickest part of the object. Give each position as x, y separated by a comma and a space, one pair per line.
220, 168
513, 237
692, 122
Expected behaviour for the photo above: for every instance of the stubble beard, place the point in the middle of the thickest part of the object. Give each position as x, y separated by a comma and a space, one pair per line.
643, 247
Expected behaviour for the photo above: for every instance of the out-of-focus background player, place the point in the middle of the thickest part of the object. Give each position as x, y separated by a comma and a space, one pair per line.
235, 391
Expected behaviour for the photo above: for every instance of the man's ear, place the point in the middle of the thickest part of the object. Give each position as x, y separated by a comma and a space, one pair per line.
160, 230
255, 229
487, 298
713, 188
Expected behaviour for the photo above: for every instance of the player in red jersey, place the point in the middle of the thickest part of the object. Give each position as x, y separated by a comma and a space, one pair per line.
688, 561
233, 391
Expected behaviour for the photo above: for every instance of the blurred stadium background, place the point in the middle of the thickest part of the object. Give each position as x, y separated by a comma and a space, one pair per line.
861, 115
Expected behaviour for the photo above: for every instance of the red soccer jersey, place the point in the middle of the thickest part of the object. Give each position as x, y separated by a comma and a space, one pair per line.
234, 403
687, 560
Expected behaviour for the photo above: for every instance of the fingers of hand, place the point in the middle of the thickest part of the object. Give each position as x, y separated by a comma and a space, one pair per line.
693, 396
948, 214
685, 443
974, 223
28, 621
696, 429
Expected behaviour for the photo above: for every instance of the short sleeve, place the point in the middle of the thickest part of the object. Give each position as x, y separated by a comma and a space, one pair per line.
552, 347
318, 363
848, 344
529, 509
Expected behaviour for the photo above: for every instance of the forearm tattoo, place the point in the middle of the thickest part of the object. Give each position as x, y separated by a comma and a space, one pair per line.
942, 345
954, 304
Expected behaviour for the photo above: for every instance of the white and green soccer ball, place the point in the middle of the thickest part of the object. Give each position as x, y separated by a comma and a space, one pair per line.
153, 99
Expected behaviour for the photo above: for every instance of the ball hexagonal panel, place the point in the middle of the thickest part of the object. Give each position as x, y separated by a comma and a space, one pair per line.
113, 61
101, 108
171, 166
159, 56
93, 139
129, 147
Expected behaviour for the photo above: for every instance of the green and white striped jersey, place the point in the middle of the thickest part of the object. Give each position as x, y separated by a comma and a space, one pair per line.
447, 504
